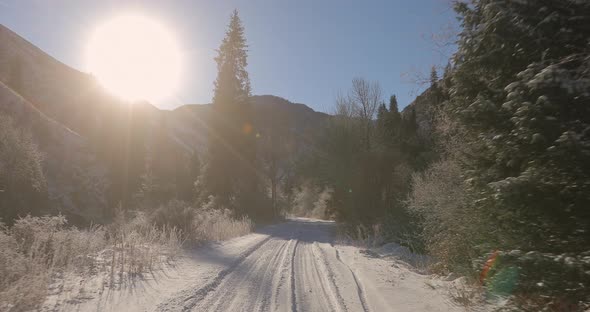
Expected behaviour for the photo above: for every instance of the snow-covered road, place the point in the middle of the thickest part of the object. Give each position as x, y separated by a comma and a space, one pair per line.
292, 266
295, 266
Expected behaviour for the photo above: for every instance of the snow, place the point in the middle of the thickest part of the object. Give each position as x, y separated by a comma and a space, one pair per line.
292, 266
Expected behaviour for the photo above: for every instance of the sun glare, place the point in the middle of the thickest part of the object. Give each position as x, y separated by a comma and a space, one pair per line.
134, 57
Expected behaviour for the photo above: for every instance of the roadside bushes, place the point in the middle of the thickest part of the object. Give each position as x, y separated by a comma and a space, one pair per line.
175, 213
22, 282
218, 225
34, 249
208, 223
440, 200
311, 201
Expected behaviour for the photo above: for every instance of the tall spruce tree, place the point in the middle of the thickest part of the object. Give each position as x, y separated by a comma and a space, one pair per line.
392, 123
231, 172
393, 104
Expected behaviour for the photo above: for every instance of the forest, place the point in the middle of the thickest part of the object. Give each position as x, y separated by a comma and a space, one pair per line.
487, 171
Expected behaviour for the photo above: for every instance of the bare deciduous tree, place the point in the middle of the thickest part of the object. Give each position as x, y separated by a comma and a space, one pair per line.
361, 102
366, 96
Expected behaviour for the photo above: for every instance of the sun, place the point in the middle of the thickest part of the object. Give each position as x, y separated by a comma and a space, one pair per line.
134, 57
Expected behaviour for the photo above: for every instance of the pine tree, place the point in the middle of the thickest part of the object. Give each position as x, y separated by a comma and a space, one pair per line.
231, 173
521, 87
382, 118
233, 83
433, 77
393, 123
381, 111
393, 104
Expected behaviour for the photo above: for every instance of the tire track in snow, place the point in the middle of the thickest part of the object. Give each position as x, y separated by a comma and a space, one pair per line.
266, 295
284, 274
293, 291
250, 286
359, 286
291, 266
330, 276
187, 299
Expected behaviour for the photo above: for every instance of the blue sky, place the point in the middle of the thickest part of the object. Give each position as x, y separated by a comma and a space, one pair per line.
305, 51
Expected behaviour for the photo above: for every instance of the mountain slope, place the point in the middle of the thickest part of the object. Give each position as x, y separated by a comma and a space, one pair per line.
76, 181
189, 122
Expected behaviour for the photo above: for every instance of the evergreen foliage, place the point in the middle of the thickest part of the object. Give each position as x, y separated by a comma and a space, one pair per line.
231, 174
393, 104
519, 91
433, 77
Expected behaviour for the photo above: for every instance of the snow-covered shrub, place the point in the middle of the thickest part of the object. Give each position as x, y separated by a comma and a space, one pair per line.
175, 213
22, 282
219, 224
439, 197
311, 202
36, 247
136, 245
46, 240
207, 223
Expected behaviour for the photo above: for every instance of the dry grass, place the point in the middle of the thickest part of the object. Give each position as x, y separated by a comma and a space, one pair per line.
35, 249
208, 223
362, 236
218, 225
137, 246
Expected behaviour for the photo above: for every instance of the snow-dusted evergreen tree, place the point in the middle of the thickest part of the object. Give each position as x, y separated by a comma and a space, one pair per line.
521, 86
231, 175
